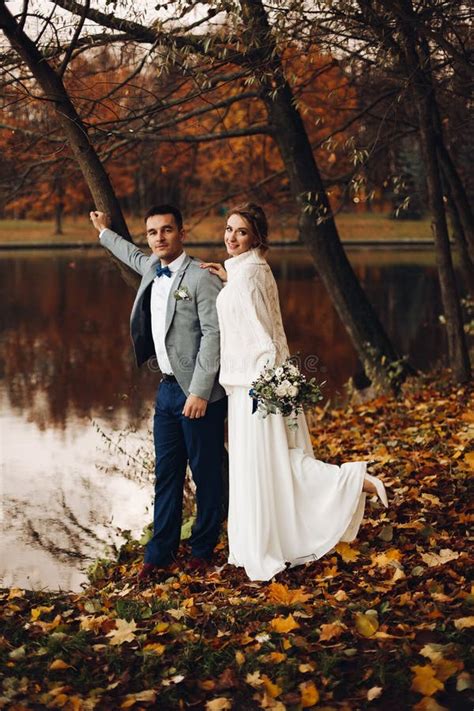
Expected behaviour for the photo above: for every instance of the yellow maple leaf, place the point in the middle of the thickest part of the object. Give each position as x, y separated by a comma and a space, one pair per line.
239, 657
219, 704
329, 571
124, 632
59, 664
15, 592
276, 657
161, 628
279, 593
348, 554
131, 699
254, 679
284, 624
36, 612
309, 694
366, 625
272, 689
469, 459
92, 624
48, 626
425, 681
154, 648
445, 668
444, 556
463, 622
331, 630
383, 560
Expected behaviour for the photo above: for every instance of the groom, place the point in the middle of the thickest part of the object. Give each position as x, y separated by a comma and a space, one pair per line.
174, 321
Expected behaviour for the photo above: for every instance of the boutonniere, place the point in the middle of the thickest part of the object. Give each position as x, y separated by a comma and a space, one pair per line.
182, 294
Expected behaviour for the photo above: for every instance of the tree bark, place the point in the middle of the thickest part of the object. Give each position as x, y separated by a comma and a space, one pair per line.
465, 262
76, 133
418, 68
459, 196
379, 357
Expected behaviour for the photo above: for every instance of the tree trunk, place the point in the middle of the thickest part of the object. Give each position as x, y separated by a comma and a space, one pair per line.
418, 68
378, 355
459, 196
465, 262
76, 134
58, 219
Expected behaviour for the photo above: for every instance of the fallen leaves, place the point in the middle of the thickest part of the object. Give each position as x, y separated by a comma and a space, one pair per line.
331, 630
463, 623
383, 621
444, 556
425, 680
219, 704
366, 624
348, 554
309, 694
130, 700
281, 594
124, 632
284, 624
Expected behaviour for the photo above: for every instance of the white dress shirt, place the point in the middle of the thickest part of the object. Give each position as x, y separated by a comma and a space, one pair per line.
160, 292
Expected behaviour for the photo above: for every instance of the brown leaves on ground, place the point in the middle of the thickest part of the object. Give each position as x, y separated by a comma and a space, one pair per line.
379, 623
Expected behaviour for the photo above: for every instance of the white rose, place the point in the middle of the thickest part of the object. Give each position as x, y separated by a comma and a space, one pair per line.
268, 377
279, 371
292, 391
293, 369
282, 389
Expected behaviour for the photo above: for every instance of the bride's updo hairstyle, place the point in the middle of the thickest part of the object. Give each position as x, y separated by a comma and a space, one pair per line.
256, 219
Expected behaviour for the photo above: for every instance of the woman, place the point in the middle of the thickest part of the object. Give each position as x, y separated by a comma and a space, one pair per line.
285, 506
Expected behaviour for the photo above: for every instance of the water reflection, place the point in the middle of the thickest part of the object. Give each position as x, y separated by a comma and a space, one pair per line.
66, 358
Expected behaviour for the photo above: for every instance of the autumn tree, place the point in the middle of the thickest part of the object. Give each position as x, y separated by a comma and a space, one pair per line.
246, 88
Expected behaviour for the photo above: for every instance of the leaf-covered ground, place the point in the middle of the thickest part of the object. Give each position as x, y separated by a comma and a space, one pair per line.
382, 623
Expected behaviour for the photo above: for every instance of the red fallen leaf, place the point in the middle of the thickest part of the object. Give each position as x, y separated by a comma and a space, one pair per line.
227, 680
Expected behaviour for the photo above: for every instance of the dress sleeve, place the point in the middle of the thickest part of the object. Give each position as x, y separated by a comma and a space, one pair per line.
256, 314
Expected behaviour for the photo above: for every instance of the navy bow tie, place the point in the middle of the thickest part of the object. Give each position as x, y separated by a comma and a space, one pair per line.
163, 270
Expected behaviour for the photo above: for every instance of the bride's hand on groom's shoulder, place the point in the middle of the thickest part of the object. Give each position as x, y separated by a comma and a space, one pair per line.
215, 268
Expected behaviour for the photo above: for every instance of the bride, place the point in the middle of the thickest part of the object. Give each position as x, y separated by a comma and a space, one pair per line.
285, 506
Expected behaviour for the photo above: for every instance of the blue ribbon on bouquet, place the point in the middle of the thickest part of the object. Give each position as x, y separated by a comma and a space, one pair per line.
254, 402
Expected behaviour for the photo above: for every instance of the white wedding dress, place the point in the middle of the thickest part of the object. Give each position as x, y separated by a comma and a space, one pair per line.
285, 506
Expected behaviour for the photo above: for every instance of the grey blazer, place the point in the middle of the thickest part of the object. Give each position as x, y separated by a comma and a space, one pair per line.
191, 326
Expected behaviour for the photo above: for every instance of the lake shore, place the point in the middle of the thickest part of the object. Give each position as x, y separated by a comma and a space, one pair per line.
383, 620
354, 228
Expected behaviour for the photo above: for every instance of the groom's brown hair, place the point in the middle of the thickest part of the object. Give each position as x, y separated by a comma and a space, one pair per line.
165, 209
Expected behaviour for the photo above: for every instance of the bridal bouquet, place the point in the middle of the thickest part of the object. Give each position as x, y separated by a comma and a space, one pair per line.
285, 390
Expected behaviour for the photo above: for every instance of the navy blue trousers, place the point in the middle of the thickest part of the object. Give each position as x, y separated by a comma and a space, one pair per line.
179, 439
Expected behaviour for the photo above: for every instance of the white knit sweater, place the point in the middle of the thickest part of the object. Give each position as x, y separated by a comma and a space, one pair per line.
250, 321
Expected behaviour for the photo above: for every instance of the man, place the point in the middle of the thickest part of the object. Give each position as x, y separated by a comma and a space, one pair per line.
174, 320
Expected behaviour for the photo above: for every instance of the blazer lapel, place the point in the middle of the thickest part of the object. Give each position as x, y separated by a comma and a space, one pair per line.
171, 304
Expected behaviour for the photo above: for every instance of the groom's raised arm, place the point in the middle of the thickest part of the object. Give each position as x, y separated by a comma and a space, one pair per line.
121, 248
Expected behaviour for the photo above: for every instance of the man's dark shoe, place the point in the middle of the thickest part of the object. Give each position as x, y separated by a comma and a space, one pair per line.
199, 565
149, 572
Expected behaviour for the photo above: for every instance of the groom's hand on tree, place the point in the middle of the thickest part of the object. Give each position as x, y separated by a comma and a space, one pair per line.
194, 407
100, 220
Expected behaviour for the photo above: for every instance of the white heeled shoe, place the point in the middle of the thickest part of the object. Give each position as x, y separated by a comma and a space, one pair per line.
381, 493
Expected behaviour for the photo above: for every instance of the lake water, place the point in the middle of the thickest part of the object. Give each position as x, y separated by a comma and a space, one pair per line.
76, 413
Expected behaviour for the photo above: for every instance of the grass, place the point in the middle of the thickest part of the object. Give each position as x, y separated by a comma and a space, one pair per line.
363, 226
